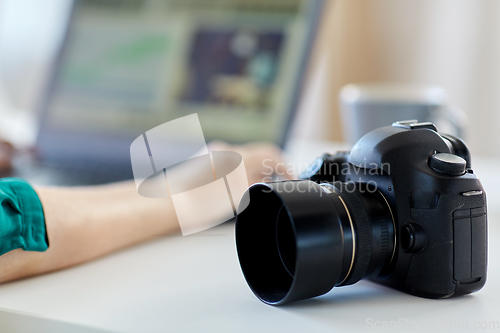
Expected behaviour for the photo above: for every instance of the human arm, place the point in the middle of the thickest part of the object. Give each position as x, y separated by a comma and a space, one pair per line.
83, 223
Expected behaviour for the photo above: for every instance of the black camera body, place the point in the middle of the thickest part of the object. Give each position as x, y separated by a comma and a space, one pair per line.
438, 204
402, 208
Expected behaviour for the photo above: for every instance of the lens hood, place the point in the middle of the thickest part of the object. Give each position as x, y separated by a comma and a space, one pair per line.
290, 241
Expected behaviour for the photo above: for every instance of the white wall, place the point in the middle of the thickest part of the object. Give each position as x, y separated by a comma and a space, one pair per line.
451, 43
30, 31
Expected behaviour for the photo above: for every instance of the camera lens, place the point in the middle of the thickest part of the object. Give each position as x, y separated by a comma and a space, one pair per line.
299, 239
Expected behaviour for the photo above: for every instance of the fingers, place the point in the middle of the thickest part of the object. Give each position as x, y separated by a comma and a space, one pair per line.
263, 161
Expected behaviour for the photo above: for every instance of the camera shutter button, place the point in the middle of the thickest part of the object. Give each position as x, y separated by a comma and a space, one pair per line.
448, 164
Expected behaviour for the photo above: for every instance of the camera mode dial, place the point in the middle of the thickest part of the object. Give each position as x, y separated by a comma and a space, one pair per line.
448, 164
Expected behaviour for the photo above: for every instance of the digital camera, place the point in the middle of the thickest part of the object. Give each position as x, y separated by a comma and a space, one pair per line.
402, 208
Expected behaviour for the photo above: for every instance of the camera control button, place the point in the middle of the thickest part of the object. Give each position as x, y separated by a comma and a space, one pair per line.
448, 164
413, 238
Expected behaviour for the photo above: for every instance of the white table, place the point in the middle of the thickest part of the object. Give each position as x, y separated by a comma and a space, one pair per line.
194, 283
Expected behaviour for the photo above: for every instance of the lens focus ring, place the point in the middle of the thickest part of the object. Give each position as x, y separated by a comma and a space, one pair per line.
373, 232
362, 230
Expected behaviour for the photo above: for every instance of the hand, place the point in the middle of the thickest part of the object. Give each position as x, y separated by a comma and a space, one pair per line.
6, 154
262, 160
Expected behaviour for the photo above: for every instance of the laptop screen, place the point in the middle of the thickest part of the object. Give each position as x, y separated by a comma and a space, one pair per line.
129, 65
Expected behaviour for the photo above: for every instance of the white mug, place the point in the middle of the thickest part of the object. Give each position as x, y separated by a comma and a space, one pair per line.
365, 107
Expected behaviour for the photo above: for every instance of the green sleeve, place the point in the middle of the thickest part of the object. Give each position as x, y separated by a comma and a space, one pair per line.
22, 223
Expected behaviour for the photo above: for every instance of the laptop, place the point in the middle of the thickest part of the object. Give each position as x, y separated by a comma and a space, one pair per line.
126, 66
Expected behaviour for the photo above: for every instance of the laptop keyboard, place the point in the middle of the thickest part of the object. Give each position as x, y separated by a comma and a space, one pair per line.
68, 174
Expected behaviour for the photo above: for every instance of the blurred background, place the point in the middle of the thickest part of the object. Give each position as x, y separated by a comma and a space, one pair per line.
453, 44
